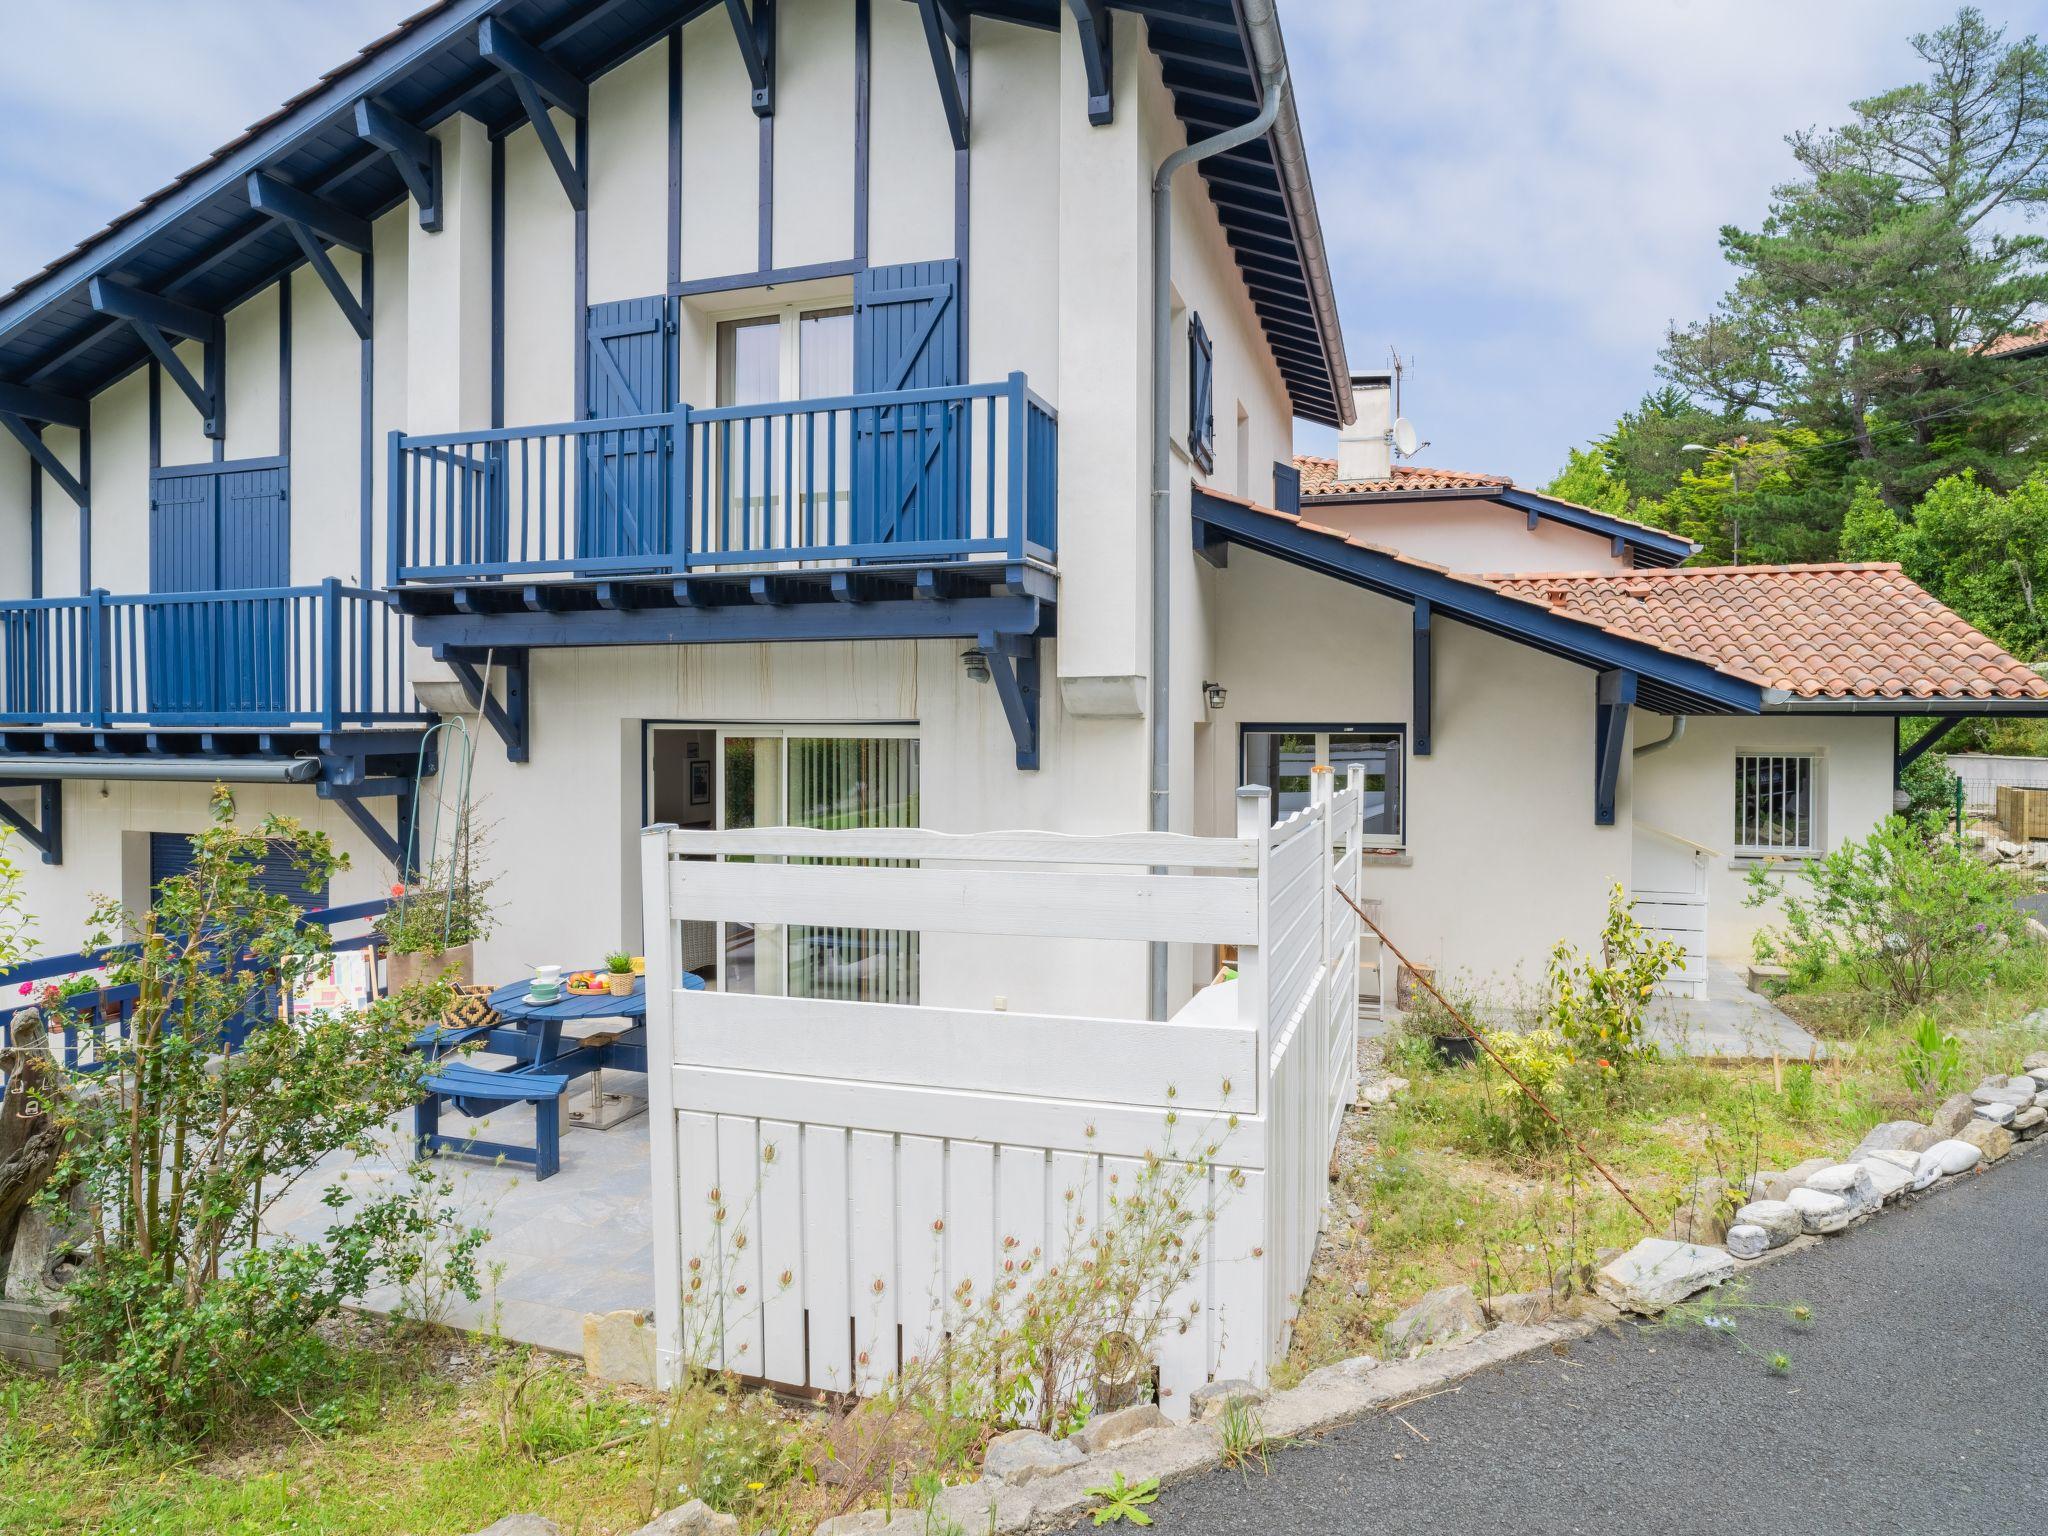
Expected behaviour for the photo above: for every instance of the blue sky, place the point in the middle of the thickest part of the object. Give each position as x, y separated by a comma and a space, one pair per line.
1519, 195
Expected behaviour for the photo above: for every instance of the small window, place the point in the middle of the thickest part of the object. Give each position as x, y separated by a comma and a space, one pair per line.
1281, 759
1776, 807
1201, 396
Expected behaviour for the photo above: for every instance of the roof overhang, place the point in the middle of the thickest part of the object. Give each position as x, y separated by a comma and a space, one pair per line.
1668, 684
1647, 547
1778, 701
202, 243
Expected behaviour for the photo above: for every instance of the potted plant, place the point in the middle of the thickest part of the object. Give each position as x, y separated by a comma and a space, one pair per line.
618, 966
433, 922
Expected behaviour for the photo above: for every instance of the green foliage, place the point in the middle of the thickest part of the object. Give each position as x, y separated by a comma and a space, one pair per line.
1904, 917
1871, 530
15, 920
1124, 1501
1597, 1006
1588, 481
1725, 1312
448, 903
1985, 554
1544, 1062
183, 1314
1860, 305
1931, 1060
619, 963
1930, 788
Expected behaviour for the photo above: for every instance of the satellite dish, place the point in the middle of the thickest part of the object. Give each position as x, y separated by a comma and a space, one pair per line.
1405, 440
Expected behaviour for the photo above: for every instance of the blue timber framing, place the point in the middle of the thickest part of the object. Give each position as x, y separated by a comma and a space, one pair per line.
415, 155
511, 719
1013, 667
151, 316
312, 220
1098, 58
1649, 546
1614, 697
395, 846
45, 834
1905, 757
540, 83
46, 460
945, 32
1425, 679
755, 34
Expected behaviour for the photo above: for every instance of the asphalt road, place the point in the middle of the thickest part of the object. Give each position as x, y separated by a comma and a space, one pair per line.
1915, 1404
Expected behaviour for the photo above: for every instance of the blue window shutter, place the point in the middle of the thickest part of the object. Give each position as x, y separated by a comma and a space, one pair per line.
184, 556
623, 508
906, 335
170, 853
218, 528
1286, 488
255, 529
1201, 395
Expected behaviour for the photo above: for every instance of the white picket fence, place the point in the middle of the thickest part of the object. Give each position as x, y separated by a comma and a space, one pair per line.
831, 1179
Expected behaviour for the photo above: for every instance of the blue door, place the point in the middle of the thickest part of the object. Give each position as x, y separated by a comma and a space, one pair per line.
622, 511
910, 461
218, 528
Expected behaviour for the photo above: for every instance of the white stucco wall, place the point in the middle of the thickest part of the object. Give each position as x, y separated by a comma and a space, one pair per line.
1689, 790
1469, 534
1502, 855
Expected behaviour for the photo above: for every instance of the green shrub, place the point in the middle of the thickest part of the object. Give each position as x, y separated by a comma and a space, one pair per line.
1931, 1060
213, 1107
1541, 1059
1597, 1007
1903, 916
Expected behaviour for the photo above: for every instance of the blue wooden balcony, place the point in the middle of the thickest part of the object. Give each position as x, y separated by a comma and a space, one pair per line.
306, 685
963, 475
920, 514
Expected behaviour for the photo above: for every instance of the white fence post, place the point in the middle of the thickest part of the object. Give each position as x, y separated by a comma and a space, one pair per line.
662, 945
1254, 819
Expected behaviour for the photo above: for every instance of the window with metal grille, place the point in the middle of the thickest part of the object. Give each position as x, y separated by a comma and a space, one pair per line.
1776, 810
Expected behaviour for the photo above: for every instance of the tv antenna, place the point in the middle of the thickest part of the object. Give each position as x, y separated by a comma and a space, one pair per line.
1402, 436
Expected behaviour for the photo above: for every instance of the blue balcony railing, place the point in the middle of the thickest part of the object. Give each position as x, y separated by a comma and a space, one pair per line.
327, 655
962, 473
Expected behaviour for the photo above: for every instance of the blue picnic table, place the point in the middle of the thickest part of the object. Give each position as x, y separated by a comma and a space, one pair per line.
544, 1061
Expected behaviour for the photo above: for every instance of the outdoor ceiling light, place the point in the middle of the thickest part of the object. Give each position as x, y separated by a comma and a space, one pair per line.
975, 660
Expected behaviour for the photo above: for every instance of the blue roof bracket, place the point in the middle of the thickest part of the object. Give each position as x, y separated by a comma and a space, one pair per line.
539, 83
756, 37
153, 316
945, 29
1097, 35
1013, 666
1420, 721
1615, 697
508, 719
41, 405
393, 846
312, 220
415, 153
32, 440
46, 833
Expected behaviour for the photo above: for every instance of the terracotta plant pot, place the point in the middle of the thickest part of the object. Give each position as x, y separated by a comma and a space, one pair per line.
621, 982
402, 971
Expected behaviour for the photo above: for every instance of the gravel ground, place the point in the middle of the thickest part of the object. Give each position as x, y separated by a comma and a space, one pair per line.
1913, 1405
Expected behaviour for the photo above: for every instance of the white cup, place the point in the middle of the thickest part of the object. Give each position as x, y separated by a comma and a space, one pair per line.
546, 977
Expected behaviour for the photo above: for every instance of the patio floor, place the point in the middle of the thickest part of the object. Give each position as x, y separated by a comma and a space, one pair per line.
579, 1242
1731, 1021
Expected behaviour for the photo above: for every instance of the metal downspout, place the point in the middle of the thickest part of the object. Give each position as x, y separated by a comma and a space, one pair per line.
1162, 459
1677, 730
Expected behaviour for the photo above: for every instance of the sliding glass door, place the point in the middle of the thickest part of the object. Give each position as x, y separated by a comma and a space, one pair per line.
801, 776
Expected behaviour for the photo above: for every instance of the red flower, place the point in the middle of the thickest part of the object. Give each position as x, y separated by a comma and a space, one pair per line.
398, 890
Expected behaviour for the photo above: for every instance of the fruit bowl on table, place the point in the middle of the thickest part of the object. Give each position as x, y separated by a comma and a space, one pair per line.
587, 984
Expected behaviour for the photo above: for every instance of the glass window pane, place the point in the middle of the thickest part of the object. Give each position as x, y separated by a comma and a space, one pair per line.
850, 782
1281, 760
752, 797
824, 354
1379, 753
750, 361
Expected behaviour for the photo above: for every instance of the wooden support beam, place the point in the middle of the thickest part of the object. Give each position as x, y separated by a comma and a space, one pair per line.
45, 834
332, 223
508, 719
41, 405
1615, 697
1097, 31
310, 221
945, 30
42, 453
1425, 680
1911, 755
414, 152
151, 315
540, 82
1013, 667
755, 34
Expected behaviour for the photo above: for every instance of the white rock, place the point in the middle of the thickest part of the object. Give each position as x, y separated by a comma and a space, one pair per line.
1820, 1211
1953, 1157
1748, 1241
1997, 1114
695, 1518
2001, 1093
1898, 1159
1657, 1273
1778, 1218
1926, 1168
1891, 1180
1852, 1182
2041, 1099
2023, 1082
1024, 1454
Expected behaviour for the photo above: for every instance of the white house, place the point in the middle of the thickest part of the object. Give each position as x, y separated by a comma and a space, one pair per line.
747, 414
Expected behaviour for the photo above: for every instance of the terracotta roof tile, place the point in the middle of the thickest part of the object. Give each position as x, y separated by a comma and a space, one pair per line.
1817, 631
1319, 478
2031, 339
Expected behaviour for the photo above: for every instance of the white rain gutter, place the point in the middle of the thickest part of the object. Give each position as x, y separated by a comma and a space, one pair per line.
194, 770
1162, 461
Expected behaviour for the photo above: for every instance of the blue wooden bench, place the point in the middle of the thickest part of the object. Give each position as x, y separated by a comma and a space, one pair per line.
475, 1092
